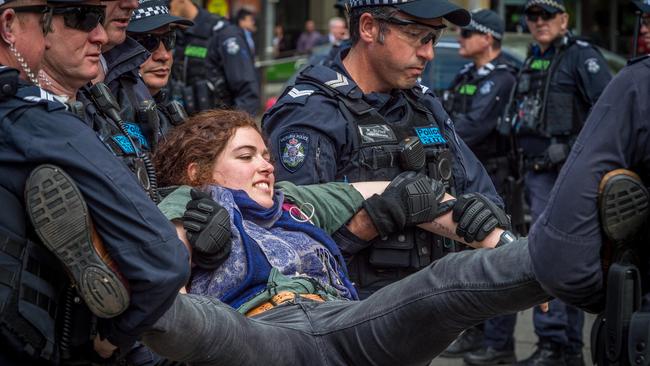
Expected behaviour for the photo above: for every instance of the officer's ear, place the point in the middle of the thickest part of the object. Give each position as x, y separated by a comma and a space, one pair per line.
564, 17
369, 28
8, 18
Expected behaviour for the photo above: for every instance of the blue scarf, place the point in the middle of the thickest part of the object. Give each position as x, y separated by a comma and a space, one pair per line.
265, 238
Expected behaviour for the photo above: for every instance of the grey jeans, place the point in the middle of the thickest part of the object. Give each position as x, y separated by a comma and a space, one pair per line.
406, 323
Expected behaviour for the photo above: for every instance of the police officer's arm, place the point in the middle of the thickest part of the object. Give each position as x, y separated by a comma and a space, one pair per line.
565, 242
137, 236
307, 137
487, 106
593, 74
228, 52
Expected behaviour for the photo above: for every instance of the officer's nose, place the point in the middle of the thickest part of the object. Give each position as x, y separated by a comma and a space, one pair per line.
98, 35
161, 54
425, 51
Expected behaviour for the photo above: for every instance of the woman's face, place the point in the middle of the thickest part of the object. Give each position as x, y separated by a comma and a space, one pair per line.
245, 165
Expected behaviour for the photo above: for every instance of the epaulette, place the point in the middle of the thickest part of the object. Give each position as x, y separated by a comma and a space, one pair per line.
329, 78
466, 68
219, 25
34, 94
637, 59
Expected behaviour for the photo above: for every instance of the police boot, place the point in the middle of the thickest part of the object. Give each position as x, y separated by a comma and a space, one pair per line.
574, 359
489, 356
60, 217
547, 354
623, 204
469, 340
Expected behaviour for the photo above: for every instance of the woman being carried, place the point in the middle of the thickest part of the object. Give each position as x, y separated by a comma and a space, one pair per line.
288, 277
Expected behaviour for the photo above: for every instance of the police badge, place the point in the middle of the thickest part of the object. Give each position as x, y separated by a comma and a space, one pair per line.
592, 65
232, 47
293, 150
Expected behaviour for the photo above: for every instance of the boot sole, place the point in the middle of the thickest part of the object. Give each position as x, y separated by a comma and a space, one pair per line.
623, 204
60, 218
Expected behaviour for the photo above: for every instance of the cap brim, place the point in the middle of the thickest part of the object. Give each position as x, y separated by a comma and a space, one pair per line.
643, 7
549, 8
426, 9
150, 23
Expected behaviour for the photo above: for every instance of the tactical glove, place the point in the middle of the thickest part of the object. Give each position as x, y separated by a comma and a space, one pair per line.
409, 199
208, 230
477, 216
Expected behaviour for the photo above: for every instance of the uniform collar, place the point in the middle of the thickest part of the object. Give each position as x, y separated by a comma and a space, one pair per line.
124, 58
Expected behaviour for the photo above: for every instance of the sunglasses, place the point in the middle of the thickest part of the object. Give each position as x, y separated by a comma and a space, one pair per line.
46, 20
533, 16
151, 41
416, 31
83, 18
466, 33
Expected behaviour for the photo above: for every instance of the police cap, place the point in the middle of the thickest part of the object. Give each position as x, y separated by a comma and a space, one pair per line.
488, 22
643, 5
552, 6
424, 9
153, 14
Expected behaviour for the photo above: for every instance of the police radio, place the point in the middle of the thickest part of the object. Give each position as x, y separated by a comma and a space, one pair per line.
8, 82
411, 154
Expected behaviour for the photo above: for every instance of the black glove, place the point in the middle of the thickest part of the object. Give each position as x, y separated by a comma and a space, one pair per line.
477, 216
410, 199
208, 230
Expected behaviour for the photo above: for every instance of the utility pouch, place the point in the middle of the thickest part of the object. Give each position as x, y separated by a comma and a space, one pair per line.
177, 114
523, 86
559, 114
392, 252
557, 154
188, 97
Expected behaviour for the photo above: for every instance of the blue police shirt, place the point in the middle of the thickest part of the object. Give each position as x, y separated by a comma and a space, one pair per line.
228, 52
327, 140
565, 242
36, 130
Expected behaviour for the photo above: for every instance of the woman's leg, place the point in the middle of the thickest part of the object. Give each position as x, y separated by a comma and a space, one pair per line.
413, 320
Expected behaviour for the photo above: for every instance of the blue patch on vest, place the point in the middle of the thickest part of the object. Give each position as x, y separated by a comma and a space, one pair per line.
293, 150
135, 132
430, 136
124, 144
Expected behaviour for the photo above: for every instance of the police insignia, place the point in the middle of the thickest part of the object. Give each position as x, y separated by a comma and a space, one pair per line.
430, 136
372, 134
135, 132
487, 87
592, 65
293, 150
232, 47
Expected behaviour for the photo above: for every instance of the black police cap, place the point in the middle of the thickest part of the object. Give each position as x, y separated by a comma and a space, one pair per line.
488, 22
424, 9
643, 5
153, 14
552, 6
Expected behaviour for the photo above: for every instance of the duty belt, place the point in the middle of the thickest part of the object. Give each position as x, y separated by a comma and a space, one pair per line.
281, 298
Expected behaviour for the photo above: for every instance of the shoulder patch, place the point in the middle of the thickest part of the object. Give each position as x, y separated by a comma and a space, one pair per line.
295, 93
338, 82
487, 87
582, 43
294, 147
232, 46
220, 24
592, 65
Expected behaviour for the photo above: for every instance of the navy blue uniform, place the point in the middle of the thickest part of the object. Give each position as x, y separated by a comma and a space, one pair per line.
565, 242
325, 129
476, 101
35, 130
230, 58
555, 91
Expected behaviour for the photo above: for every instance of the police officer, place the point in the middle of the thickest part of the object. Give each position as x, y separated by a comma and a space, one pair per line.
559, 83
36, 305
366, 118
577, 236
476, 100
157, 32
230, 66
189, 84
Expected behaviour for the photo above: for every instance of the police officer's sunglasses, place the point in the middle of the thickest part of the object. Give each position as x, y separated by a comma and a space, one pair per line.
151, 41
46, 11
533, 16
81, 17
415, 30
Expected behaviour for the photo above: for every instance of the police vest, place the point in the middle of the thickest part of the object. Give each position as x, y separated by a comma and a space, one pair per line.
126, 141
378, 156
540, 108
192, 49
460, 97
32, 280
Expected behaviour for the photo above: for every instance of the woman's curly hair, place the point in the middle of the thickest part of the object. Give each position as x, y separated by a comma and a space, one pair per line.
199, 140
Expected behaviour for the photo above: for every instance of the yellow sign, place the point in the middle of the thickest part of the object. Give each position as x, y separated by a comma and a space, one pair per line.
218, 7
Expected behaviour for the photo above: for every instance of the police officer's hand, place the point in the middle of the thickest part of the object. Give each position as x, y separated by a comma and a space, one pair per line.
208, 230
477, 216
409, 199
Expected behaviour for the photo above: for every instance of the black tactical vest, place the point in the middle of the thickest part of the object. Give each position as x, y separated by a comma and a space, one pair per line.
378, 156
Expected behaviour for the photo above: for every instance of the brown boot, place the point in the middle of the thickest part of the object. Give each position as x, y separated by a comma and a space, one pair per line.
61, 220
